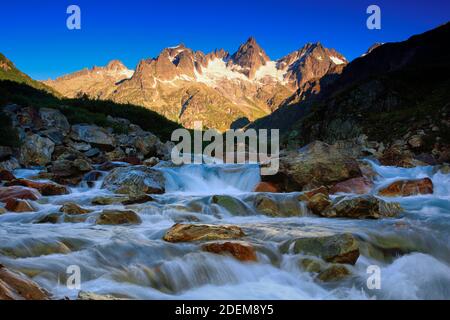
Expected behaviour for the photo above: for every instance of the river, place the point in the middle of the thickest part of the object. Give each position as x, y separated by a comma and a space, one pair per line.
412, 251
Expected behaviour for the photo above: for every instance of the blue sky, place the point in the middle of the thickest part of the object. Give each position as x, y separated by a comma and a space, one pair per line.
35, 37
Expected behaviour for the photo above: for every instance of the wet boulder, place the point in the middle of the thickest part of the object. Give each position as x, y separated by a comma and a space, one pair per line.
108, 200
45, 188
266, 187
362, 207
333, 273
18, 205
406, 188
240, 251
201, 232
338, 248
318, 203
17, 192
135, 181
72, 208
360, 185
266, 205
36, 151
118, 217
231, 204
324, 271
16, 286
315, 165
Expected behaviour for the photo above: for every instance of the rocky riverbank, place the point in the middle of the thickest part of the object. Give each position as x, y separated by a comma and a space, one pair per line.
140, 227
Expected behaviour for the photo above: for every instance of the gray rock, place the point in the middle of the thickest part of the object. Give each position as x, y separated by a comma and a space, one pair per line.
36, 151
135, 180
53, 118
92, 134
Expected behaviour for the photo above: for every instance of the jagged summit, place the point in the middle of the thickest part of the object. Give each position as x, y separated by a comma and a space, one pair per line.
250, 57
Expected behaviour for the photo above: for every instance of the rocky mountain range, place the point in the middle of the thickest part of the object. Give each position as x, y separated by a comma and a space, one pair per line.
217, 88
397, 93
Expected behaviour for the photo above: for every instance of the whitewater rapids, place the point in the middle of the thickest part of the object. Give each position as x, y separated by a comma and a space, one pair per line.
413, 251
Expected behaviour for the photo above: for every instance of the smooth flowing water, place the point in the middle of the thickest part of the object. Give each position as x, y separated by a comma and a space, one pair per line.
412, 251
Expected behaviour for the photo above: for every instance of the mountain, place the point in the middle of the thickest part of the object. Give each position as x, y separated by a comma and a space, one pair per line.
8, 71
217, 88
95, 82
396, 91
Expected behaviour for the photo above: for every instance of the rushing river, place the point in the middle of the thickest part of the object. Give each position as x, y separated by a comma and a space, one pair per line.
412, 251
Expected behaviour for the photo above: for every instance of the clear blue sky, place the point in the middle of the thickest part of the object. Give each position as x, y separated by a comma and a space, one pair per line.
34, 34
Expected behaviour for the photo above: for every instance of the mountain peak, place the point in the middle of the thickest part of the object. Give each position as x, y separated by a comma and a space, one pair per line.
115, 65
250, 57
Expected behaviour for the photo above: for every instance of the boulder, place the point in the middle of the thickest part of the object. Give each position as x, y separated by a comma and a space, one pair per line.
406, 188
6, 175
334, 273
318, 203
315, 165
240, 251
199, 232
398, 155
73, 209
16, 286
360, 185
28, 118
135, 181
2, 210
51, 218
36, 151
106, 201
93, 135
18, 205
53, 118
338, 248
266, 187
231, 204
116, 217
266, 205
45, 188
147, 144
17, 192
362, 207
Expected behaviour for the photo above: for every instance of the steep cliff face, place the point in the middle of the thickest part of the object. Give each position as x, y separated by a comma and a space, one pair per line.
216, 88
